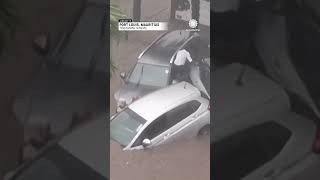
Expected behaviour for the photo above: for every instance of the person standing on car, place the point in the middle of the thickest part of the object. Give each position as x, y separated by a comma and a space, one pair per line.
179, 63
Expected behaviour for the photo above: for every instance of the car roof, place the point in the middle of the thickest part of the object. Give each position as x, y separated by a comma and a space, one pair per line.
156, 103
89, 144
161, 51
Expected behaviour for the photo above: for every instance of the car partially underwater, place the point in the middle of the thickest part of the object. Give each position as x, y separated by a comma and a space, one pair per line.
154, 120
153, 69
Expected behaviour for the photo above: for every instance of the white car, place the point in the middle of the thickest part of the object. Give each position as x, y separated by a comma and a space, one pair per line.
256, 135
175, 112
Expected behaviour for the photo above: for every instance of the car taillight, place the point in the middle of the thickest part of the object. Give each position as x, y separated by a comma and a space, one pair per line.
209, 105
316, 143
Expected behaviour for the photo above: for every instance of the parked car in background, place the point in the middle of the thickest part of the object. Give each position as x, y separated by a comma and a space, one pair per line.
153, 69
172, 113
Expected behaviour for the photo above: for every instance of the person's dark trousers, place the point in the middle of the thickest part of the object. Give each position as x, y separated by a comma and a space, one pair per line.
179, 72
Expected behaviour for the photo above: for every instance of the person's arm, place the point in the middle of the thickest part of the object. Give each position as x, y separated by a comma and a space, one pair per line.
188, 56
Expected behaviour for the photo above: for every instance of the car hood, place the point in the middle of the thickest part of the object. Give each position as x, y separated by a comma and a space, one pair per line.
130, 90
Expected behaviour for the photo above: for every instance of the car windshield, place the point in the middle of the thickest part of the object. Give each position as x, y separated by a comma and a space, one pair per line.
55, 164
150, 75
125, 126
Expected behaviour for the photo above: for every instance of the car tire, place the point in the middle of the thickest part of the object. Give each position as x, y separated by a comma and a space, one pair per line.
204, 131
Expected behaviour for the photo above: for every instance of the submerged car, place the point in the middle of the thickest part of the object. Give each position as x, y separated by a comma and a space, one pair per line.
153, 69
172, 113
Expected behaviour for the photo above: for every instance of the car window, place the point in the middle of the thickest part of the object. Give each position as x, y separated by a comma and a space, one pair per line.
157, 127
240, 154
149, 75
125, 126
57, 164
181, 112
167, 121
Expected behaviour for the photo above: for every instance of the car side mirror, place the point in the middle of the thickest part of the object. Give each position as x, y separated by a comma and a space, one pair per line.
123, 75
146, 142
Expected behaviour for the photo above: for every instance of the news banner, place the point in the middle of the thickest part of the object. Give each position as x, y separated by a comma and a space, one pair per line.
129, 25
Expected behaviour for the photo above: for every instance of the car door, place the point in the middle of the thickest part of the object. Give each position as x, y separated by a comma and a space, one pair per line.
162, 130
152, 131
181, 122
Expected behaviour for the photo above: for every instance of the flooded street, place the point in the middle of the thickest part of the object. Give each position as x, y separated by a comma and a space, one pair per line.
180, 160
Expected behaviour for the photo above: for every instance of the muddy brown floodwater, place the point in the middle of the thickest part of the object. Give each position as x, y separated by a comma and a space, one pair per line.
176, 161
